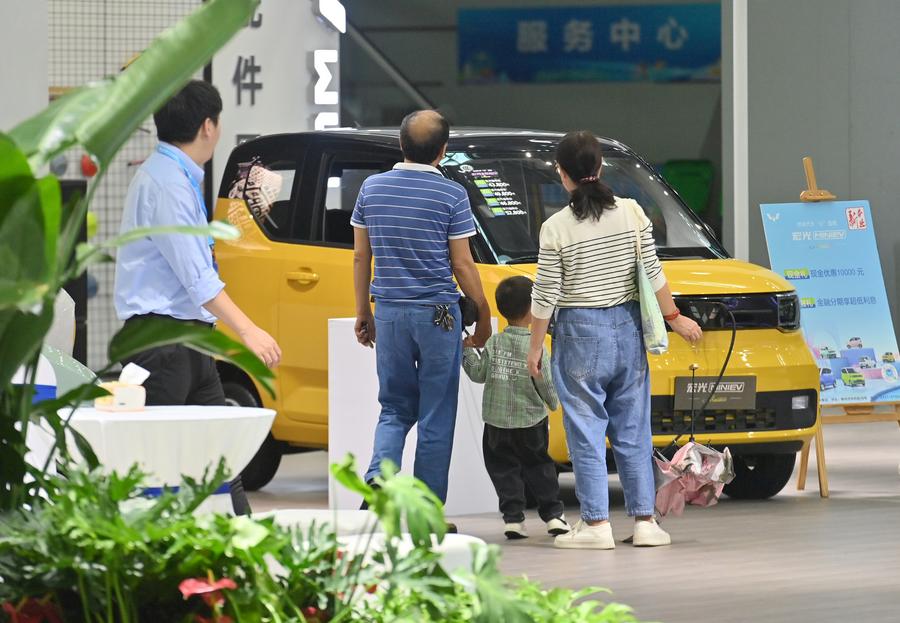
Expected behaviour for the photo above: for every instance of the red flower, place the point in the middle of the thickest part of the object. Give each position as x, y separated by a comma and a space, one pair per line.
202, 586
32, 610
314, 615
210, 590
220, 619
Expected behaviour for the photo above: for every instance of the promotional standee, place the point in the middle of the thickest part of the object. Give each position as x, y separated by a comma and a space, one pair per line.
827, 250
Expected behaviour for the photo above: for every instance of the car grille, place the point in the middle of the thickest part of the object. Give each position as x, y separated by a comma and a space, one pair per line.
726, 421
751, 311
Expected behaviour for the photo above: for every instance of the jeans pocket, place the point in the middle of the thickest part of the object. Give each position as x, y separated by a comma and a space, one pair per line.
578, 356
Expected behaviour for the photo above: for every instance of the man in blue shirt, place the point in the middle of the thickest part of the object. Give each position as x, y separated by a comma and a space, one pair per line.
417, 225
175, 276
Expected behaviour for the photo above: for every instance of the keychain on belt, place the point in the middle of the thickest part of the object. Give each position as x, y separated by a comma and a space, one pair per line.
443, 318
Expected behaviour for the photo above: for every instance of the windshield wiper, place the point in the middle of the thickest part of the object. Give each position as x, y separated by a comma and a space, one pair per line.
523, 259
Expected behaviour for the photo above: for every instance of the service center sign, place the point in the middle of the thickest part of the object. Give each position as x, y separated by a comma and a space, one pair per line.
280, 73
633, 42
827, 251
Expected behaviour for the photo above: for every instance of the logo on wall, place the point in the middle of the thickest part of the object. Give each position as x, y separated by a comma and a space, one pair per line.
333, 13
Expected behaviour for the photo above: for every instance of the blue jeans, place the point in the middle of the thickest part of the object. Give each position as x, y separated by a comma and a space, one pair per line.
418, 384
601, 374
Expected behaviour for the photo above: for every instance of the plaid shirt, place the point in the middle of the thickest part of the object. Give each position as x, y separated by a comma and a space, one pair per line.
512, 399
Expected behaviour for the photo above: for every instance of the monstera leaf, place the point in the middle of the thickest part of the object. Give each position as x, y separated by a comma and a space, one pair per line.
102, 116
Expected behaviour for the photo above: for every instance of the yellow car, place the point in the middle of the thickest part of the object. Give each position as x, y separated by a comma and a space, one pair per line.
291, 195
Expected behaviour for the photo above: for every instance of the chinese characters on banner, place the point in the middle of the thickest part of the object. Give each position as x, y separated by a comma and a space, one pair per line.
680, 42
279, 74
827, 251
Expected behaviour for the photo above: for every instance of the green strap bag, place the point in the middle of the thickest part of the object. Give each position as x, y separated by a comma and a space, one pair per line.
656, 338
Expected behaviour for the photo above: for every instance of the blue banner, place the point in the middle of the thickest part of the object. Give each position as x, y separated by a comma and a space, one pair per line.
663, 43
828, 252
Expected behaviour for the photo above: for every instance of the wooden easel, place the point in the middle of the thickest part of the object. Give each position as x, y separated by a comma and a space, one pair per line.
861, 413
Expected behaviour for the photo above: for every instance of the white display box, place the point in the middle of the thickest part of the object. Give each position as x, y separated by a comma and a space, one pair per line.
353, 411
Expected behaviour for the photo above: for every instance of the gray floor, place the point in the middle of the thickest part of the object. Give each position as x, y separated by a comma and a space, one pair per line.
793, 558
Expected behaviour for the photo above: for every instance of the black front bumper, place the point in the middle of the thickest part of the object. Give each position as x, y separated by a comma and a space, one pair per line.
773, 412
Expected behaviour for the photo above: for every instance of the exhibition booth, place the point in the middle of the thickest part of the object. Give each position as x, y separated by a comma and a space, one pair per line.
115, 509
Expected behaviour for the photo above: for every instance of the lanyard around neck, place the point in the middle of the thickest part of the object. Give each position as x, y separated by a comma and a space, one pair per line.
173, 154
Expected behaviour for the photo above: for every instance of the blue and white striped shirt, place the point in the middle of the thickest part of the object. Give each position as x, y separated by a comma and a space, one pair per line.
410, 214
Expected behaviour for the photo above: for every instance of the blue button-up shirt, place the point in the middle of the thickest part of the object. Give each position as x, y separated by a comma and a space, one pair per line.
172, 274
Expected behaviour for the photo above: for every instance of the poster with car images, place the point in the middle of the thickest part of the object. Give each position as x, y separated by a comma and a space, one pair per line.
827, 251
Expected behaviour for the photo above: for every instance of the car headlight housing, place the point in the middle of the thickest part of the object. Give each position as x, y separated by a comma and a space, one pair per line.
788, 311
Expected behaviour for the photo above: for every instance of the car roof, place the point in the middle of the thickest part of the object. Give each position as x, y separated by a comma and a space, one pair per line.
481, 136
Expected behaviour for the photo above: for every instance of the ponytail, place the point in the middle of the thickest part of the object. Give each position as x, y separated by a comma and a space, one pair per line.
580, 156
590, 199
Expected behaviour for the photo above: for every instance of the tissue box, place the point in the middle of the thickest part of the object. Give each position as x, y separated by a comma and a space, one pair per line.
123, 397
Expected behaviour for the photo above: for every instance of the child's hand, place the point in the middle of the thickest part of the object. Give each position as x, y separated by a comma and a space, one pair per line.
534, 362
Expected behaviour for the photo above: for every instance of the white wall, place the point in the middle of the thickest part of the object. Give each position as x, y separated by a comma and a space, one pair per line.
824, 83
660, 121
23, 62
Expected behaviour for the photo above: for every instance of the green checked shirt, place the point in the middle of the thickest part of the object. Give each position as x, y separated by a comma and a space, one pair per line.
512, 399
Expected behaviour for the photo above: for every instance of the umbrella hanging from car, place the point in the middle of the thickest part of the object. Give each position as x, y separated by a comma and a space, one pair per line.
696, 474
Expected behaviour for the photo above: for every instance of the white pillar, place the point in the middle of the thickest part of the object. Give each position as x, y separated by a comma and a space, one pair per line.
23, 62
735, 129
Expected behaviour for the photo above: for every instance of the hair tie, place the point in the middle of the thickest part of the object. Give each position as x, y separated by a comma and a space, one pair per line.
590, 179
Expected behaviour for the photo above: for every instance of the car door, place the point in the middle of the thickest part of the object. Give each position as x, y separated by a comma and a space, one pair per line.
318, 284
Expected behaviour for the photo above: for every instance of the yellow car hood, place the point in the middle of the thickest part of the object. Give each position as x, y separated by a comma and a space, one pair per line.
708, 277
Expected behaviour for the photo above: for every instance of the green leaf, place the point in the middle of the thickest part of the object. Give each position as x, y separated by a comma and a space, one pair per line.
398, 497
216, 229
345, 473
88, 253
21, 334
147, 333
13, 163
247, 533
102, 117
23, 237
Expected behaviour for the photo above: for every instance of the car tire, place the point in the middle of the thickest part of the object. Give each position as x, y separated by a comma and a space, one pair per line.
264, 464
759, 477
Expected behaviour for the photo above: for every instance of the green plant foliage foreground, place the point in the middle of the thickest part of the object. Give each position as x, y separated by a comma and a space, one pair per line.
39, 248
96, 551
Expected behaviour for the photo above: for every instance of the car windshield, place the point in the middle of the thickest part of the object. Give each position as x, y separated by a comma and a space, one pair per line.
513, 192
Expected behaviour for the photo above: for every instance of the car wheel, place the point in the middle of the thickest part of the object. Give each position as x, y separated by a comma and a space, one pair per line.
758, 477
264, 464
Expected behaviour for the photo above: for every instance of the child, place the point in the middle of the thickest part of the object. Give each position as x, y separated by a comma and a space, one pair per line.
516, 433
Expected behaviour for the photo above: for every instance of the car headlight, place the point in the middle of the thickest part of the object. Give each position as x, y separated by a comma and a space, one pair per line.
788, 311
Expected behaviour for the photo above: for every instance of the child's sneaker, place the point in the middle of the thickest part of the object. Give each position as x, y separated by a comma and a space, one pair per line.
584, 536
515, 531
558, 525
649, 534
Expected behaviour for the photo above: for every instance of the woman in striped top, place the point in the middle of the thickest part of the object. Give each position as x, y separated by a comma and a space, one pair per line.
586, 273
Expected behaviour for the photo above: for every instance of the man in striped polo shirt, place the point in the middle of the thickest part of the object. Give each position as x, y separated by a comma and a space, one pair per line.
417, 225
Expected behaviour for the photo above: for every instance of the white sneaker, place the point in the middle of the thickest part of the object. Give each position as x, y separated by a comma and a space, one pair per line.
558, 525
649, 534
515, 531
584, 536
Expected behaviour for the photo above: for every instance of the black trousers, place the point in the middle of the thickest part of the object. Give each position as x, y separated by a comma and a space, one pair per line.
182, 376
515, 457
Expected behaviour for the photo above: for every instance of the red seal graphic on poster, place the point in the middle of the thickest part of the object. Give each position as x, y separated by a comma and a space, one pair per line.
856, 218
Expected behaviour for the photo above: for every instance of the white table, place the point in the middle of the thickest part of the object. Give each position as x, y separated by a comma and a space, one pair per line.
168, 442
353, 411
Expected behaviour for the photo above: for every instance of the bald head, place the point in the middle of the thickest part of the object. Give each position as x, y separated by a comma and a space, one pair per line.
423, 135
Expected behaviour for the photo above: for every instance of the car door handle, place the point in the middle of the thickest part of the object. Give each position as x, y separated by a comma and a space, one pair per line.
304, 277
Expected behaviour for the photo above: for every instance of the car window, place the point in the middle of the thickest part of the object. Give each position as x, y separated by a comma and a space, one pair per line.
263, 174
343, 183
513, 192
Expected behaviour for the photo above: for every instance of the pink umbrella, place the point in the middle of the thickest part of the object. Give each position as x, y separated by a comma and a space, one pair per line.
695, 475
